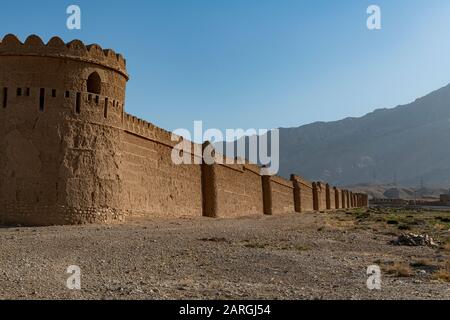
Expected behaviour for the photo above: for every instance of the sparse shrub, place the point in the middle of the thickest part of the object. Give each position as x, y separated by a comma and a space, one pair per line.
425, 264
392, 222
442, 275
422, 263
399, 270
362, 216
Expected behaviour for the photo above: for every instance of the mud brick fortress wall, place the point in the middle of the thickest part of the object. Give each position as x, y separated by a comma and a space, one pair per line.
303, 194
278, 194
231, 190
70, 154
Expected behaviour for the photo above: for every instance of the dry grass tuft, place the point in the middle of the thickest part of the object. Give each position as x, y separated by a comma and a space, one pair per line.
399, 270
422, 263
302, 248
442, 275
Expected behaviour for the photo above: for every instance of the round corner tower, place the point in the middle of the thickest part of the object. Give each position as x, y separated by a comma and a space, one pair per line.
61, 112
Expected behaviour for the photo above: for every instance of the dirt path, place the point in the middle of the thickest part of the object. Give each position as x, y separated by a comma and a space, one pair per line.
306, 256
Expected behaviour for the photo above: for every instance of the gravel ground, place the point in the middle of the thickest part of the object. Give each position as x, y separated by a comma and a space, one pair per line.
298, 256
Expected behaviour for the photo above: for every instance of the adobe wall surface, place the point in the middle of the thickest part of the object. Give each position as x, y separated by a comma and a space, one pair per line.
343, 199
303, 194
330, 198
352, 200
349, 198
338, 198
282, 195
321, 204
306, 196
152, 184
71, 155
365, 200
239, 190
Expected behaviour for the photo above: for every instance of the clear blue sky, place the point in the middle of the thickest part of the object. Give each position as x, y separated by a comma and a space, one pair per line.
257, 63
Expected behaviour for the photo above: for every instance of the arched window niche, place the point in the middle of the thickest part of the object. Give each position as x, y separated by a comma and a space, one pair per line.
94, 83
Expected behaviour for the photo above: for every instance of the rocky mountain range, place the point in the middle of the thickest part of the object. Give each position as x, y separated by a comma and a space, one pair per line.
407, 145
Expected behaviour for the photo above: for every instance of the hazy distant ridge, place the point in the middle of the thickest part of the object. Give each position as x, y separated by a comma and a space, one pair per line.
408, 144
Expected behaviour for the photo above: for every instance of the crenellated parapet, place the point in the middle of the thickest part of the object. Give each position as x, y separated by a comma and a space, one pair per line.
61, 80
57, 48
148, 130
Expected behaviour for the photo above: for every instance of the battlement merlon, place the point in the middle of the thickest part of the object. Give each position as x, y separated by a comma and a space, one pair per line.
57, 48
